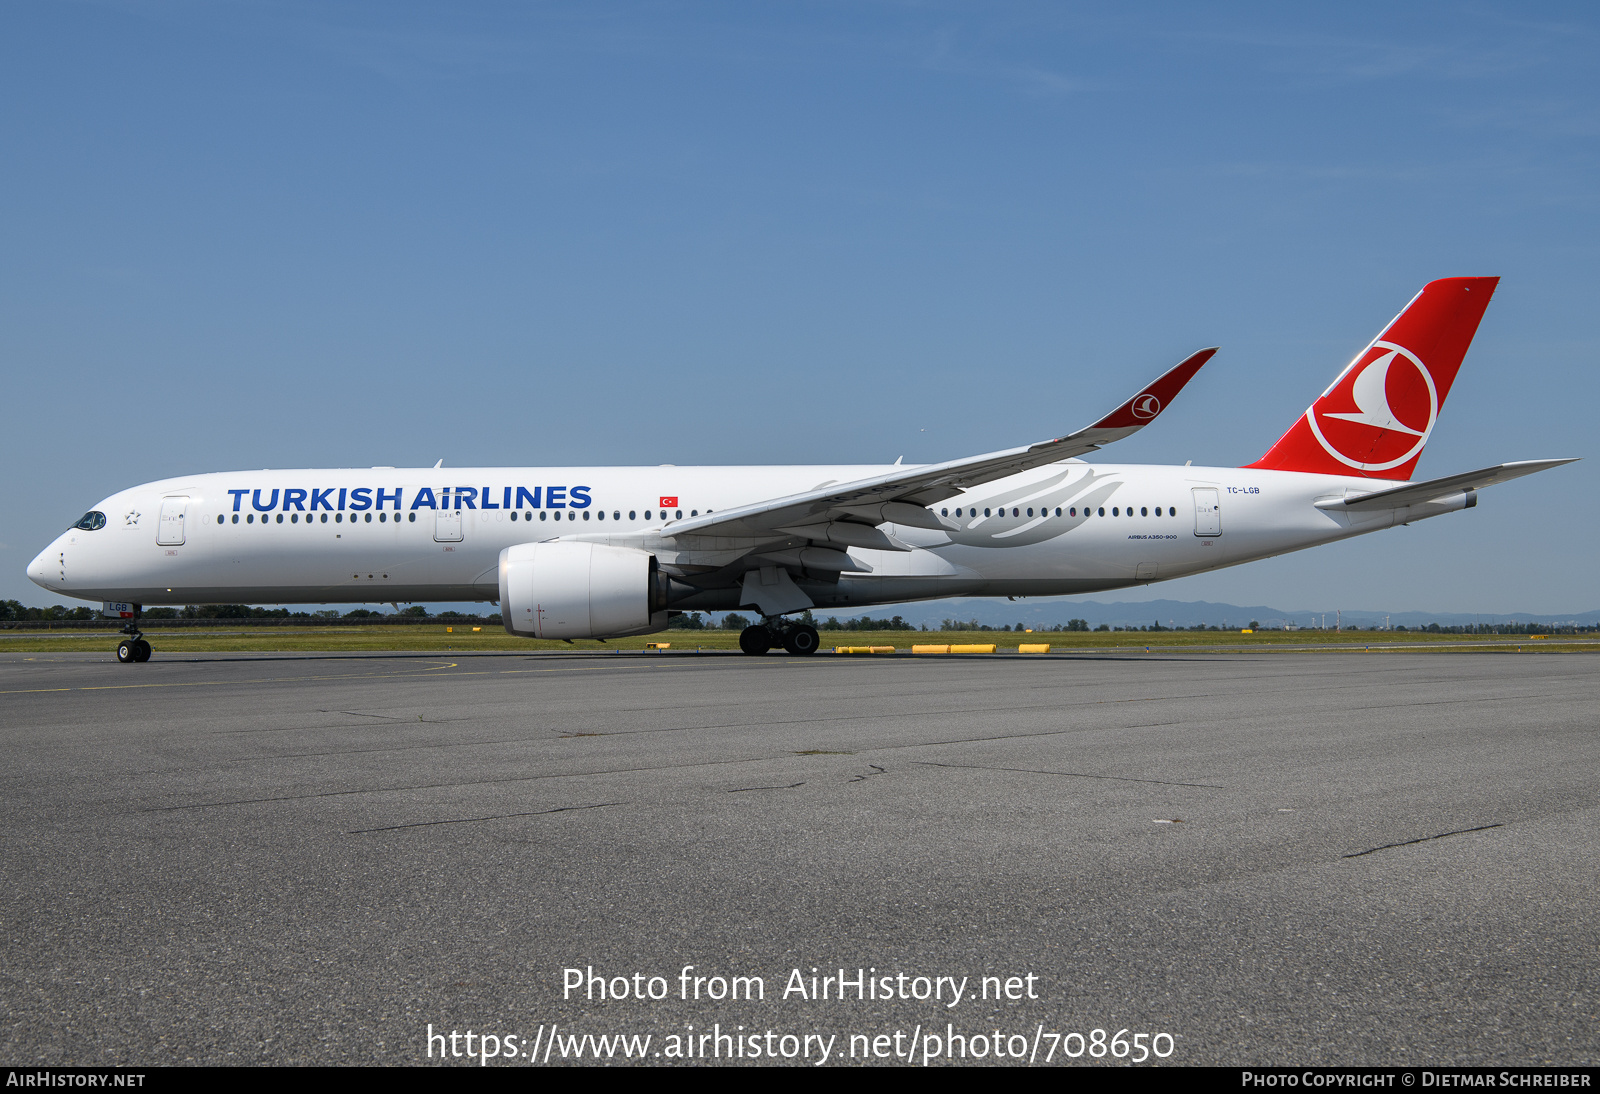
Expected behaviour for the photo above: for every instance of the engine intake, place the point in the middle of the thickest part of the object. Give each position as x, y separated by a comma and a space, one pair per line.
581, 590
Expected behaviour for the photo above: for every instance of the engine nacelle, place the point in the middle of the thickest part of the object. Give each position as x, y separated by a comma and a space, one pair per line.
581, 590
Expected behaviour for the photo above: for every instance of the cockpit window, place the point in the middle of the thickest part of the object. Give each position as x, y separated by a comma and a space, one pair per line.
91, 521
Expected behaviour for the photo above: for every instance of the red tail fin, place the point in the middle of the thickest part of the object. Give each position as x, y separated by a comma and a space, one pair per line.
1374, 419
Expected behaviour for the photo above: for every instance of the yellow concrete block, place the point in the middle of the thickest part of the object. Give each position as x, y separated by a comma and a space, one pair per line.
976, 648
475, 629
1033, 647
658, 645
1247, 630
863, 649
930, 649
449, 630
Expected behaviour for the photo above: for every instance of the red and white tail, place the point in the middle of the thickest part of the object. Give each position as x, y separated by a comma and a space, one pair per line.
1374, 419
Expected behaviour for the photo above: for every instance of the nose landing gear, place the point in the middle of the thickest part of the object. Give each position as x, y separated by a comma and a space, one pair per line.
796, 638
133, 650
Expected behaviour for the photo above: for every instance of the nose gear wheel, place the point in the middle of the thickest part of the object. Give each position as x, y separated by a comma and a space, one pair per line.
133, 650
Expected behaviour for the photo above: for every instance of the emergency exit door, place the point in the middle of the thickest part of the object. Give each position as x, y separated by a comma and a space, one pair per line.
1207, 511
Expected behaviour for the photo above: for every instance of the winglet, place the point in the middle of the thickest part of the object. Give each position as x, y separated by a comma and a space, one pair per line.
1143, 407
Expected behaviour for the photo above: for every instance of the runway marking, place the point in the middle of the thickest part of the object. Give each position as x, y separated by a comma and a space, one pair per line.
441, 668
474, 820
1073, 774
261, 680
1424, 839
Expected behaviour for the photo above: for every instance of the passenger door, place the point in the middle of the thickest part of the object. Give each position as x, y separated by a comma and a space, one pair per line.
447, 527
169, 530
1207, 511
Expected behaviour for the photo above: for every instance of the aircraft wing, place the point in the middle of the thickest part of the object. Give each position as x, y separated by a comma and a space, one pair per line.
900, 495
1417, 492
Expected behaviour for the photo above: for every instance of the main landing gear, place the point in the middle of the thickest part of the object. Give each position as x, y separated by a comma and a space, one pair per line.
133, 650
796, 638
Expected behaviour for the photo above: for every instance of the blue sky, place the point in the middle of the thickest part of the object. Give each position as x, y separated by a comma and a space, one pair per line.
280, 234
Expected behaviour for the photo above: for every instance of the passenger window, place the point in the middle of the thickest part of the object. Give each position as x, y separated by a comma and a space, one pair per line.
1058, 510
250, 519
1030, 512
694, 512
586, 514
985, 511
1171, 512
383, 517
677, 514
542, 514
1143, 512
412, 517
946, 513
294, 518
1102, 510
1018, 512
1071, 512
633, 514
615, 515
219, 518
1114, 511
236, 518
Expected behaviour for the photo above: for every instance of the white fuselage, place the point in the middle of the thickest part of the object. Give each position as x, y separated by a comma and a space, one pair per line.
393, 535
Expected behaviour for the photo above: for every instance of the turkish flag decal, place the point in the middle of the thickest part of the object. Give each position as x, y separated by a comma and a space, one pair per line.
669, 503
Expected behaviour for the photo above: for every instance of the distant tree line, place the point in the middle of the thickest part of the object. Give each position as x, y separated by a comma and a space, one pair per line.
12, 611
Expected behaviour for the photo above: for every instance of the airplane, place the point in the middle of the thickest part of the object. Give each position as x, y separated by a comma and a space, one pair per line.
606, 552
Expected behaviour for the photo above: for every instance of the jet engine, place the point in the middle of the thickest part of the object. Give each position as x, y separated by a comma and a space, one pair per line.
581, 590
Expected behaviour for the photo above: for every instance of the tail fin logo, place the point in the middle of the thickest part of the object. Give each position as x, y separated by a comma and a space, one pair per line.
1145, 407
1378, 415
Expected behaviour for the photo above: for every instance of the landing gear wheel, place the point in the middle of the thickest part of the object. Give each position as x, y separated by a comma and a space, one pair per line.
133, 650
755, 640
802, 640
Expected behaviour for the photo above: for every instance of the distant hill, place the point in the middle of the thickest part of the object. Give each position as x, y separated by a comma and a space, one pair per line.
1181, 613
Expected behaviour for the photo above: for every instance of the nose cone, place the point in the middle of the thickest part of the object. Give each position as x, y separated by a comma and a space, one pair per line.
45, 566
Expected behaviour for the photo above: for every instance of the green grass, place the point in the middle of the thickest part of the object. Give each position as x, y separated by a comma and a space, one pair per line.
434, 638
